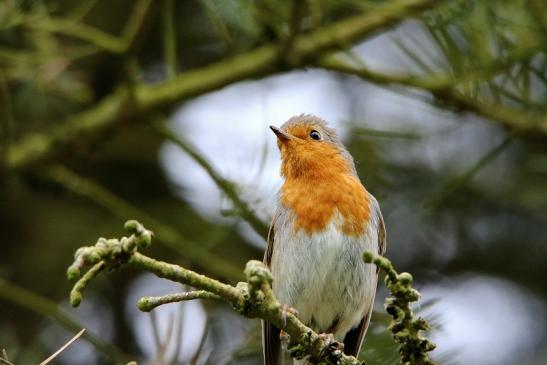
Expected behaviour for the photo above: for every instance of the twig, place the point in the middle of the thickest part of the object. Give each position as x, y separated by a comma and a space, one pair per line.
54, 355
228, 187
94, 36
445, 89
121, 208
255, 299
169, 38
405, 327
46, 307
146, 304
4, 358
202, 342
460, 181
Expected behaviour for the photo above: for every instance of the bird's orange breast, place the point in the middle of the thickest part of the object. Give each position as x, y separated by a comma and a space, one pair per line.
326, 188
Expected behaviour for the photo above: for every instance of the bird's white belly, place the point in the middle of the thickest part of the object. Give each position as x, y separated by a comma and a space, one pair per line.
324, 277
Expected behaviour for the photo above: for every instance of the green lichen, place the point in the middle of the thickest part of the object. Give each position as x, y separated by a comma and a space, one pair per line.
405, 327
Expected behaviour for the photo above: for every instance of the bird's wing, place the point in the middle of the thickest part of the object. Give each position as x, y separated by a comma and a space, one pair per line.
382, 241
271, 342
269, 249
354, 338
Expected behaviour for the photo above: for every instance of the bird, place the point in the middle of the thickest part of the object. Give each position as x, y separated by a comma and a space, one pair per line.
325, 219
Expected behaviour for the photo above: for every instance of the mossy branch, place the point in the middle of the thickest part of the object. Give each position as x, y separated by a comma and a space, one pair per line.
405, 327
253, 298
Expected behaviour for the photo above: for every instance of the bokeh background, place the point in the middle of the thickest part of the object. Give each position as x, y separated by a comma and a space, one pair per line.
159, 111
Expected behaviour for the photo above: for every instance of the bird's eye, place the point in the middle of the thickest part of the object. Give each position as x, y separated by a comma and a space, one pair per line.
315, 135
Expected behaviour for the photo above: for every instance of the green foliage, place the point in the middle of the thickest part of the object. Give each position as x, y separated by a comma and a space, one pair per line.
81, 83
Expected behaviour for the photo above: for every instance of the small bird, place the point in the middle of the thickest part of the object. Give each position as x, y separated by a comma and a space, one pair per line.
324, 220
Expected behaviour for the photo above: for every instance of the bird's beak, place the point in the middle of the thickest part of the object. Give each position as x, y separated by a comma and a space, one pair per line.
282, 136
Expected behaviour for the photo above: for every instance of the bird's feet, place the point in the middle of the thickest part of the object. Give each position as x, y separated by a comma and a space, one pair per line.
334, 348
330, 341
284, 338
287, 309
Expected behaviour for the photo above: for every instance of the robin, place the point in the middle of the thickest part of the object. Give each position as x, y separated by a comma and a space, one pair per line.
324, 220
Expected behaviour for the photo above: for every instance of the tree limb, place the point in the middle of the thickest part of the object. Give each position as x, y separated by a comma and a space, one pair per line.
228, 187
254, 298
168, 235
445, 89
146, 304
406, 329
131, 100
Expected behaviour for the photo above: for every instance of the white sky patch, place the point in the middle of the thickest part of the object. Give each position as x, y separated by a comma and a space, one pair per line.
485, 320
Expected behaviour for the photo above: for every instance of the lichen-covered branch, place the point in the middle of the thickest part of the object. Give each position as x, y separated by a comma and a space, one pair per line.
253, 298
146, 304
405, 327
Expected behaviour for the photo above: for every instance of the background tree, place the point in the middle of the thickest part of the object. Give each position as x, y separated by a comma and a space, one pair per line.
113, 110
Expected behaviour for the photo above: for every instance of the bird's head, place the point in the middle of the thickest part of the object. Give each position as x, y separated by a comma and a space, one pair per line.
309, 148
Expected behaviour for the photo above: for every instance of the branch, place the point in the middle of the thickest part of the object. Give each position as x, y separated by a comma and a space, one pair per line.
146, 304
444, 88
228, 187
264, 60
253, 298
63, 348
405, 328
458, 182
121, 208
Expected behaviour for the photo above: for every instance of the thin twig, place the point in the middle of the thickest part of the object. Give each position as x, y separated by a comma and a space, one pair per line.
54, 355
228, 187
4, 358
121, 208
445, 89
169, 38
461, 180
146, 304
45, 307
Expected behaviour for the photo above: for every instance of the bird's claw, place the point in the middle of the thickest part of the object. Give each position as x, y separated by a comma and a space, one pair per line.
287, 309
331, 342
284, 337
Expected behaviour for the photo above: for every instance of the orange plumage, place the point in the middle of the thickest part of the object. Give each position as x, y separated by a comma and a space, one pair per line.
335, 187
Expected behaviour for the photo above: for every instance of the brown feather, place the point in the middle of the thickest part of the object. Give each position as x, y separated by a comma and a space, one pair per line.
354, 338
271, 342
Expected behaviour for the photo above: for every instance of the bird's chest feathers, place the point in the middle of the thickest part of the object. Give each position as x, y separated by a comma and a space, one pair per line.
316, 201
322, 275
